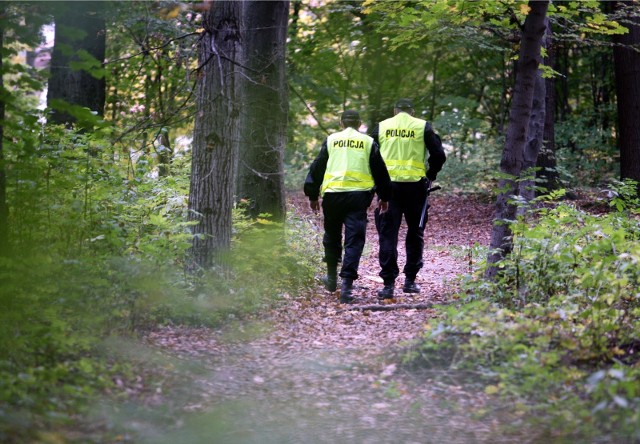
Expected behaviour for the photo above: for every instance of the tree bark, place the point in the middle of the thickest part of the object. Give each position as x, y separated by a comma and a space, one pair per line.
535, 135
165, 155
548, 173
265, 107
562, 56
215, 142
627, 74
527, 185
79, 27
517, 133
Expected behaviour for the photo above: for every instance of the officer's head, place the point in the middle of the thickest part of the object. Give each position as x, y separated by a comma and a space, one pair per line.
403, 106
350, 118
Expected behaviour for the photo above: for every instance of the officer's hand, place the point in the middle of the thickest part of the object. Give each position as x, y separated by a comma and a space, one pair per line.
383, 206
315, 205
427, 185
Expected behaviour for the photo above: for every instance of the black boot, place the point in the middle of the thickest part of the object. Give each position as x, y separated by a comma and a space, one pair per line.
346, 296
386, 292
410, 286
330, 281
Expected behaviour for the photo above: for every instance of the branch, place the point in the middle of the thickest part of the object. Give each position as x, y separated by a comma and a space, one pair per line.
143, 124
261, 175
308, 108
146, 51
387, 307
215, 53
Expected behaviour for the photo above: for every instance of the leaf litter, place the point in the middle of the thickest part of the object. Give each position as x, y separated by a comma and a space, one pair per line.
324, 372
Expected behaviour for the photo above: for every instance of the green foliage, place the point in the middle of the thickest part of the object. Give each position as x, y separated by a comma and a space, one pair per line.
267, 261
586, 155
462, 81
272, 252
98, 240
625, 196
557, 329
151, 52
475, 172
85, 118
53, 316
99, 245
472, 154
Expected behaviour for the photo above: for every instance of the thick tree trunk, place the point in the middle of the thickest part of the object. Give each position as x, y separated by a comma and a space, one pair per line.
627, 71
548, 173
215, 142
535, 135
4, 209
81, 27
517, 132
264, 107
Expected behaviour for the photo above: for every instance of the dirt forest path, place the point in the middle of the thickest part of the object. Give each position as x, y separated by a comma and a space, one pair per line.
323, 373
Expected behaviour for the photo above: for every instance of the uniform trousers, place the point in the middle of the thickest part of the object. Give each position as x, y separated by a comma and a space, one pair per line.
348, 209
408, 200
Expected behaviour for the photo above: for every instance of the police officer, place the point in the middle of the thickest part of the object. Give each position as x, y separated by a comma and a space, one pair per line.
344, 173
404, 142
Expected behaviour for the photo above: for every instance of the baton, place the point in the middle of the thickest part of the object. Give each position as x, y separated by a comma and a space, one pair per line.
426, 205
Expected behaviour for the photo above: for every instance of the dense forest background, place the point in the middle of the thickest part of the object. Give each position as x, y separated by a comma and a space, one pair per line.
147, 150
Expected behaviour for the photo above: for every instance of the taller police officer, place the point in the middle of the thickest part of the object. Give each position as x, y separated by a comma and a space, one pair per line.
404, 142
344, 173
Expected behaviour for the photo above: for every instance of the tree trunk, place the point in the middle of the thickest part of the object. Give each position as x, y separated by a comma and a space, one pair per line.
434, 85
562, 86
535, 137
517, 132
79, 27
627, 72
535, 134
215, 142
548, 173
165, 154
4, 209
264, 107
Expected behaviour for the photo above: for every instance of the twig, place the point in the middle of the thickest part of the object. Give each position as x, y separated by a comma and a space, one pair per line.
317, 119
387, 307
145, 51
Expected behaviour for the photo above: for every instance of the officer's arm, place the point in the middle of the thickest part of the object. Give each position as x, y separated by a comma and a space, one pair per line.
374, 133
313, 182
380, 174
437, 157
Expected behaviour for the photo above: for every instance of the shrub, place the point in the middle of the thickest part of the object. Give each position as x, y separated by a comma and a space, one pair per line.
559, 326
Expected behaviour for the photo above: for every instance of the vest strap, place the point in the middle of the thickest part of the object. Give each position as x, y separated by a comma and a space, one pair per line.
342, 185
351, 174
404, 163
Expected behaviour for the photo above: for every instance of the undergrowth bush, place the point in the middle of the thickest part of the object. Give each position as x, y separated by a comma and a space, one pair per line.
98, 252
586, 155
558, 329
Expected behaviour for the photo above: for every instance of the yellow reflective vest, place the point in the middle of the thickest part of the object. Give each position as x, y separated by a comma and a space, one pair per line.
402, 147
348, 165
